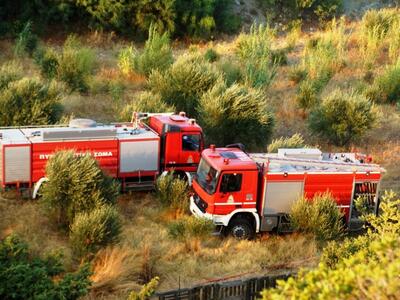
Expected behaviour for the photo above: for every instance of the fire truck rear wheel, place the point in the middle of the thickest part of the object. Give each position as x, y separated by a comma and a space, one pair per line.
241, 228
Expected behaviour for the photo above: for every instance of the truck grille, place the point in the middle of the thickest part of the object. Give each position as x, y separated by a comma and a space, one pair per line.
200, 203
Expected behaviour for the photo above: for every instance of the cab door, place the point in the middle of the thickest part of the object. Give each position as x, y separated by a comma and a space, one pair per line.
236, 190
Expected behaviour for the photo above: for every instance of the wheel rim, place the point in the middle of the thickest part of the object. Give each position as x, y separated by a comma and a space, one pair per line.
239, 232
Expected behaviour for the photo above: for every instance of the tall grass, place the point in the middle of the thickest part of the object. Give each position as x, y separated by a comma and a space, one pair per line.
379, 29
295, 141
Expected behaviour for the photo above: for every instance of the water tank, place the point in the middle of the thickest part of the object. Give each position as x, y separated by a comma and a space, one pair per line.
82, 123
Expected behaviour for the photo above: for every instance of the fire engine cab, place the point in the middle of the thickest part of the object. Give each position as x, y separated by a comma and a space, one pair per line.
133, 152
247, 193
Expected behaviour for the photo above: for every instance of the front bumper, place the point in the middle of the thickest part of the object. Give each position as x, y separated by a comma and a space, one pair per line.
218, 220
195, 210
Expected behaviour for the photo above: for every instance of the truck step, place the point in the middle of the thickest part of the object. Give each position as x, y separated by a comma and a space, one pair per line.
139, 186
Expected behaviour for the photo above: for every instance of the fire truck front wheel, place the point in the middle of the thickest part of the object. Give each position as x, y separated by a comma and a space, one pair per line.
241, 228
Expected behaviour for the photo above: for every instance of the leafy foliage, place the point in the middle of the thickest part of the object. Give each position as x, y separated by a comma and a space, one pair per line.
94, 229
146, 291
295, 141
28, 101
9, 72
47, 60
386, 87
184, 83
365, 267
343, 117
319, 216
211, 55
254, 51
76, 185
236, 114
171, 191
75, 64
26, 41
24, 276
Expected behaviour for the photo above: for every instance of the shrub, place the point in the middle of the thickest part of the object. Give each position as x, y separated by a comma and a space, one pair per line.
343, 117
309, 90
211, 55
24, 276
184, 83
386, 87
145, 102
9, 72
76, 63
156, 55
126, 60
319, 216
254, 51
256, 44
47, 60
356, 268
231, 71
94, 229
236, 114
28, 102
259, 74
172, 192
295, 141
76, 185
26, 41
146, 291
189, 227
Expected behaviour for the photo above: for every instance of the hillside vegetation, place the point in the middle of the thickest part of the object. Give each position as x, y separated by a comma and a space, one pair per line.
268, 86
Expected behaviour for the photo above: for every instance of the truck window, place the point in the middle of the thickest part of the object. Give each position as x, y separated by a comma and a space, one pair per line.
207, 177
191, 142
231, 183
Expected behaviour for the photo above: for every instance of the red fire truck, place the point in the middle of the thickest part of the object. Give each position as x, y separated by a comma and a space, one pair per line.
133, 152
247, 193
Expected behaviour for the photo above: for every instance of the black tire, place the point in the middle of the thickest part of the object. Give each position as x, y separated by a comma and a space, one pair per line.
241, 229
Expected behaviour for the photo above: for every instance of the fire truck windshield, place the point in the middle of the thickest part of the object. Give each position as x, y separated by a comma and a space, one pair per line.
207, 177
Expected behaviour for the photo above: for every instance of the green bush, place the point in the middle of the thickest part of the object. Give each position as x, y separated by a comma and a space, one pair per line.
126, 60
172, 192
75, 64
146, 291
145, 102
47, 60
309, 90
29, 102
236, 114
76, 185
156, 55
365, 267
26, 41
343, 117
386, 87
94, 229
231, 70
211, 55
254, 51
24, 276
190, 227
319, 216
184, 83
295, 141
9, 72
